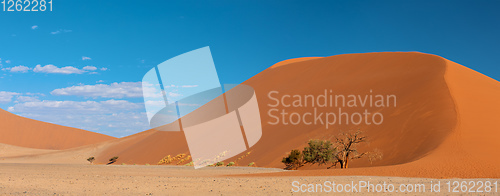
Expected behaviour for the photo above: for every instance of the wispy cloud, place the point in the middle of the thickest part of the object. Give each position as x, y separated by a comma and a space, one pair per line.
34, 27
61, 31
27, 99
90, 68
54, 69
84, 58
20, 68
189, 86
112, 116
113, 90
79, 107
6, 97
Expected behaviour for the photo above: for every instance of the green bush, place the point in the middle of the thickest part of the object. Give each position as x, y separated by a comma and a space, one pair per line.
113, 159
219, 164
318, 152
231, 164
251, 164
293, 161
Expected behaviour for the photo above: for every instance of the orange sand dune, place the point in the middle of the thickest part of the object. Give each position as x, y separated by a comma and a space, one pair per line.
447, 127
443, 125
425, 114
19, 131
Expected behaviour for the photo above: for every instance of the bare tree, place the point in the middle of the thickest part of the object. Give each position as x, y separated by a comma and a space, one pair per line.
346, 145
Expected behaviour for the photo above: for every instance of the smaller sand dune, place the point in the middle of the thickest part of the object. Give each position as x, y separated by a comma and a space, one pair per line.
23, 132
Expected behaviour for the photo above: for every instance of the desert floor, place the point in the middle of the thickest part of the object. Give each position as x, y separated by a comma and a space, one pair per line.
52, 179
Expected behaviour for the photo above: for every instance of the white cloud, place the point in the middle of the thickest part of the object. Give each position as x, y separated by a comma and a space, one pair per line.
7, 61
113, 90
171, 94
20, 68
90, 68
109, 117
189, 86
61, 31
75, 107
27, 99
54, 69
84, 58
6, 97
104, 69
99, 81
34, 27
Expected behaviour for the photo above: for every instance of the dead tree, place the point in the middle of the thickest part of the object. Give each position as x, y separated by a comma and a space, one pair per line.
346, 148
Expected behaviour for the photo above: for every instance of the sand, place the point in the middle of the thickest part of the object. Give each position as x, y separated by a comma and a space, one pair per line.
54, 179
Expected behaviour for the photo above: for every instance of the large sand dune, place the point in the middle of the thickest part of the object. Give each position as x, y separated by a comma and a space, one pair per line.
444, 124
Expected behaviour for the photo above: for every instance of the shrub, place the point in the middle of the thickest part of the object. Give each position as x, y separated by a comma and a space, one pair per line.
113, 159
293, 161
147, 164
184, 159
230, 164
168, 159
251, 164
318, 152
219, 164
165, 160
91, 160
190, 164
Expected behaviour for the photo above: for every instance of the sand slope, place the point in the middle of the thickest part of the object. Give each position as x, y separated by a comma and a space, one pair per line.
424, 117
470, 145
19, 131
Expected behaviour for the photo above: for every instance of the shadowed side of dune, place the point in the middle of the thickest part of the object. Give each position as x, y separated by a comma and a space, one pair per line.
19, 131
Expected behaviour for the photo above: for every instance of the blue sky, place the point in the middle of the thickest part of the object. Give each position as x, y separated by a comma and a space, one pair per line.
43, 54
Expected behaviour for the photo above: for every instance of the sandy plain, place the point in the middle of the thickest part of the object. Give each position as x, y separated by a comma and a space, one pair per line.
78, 179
